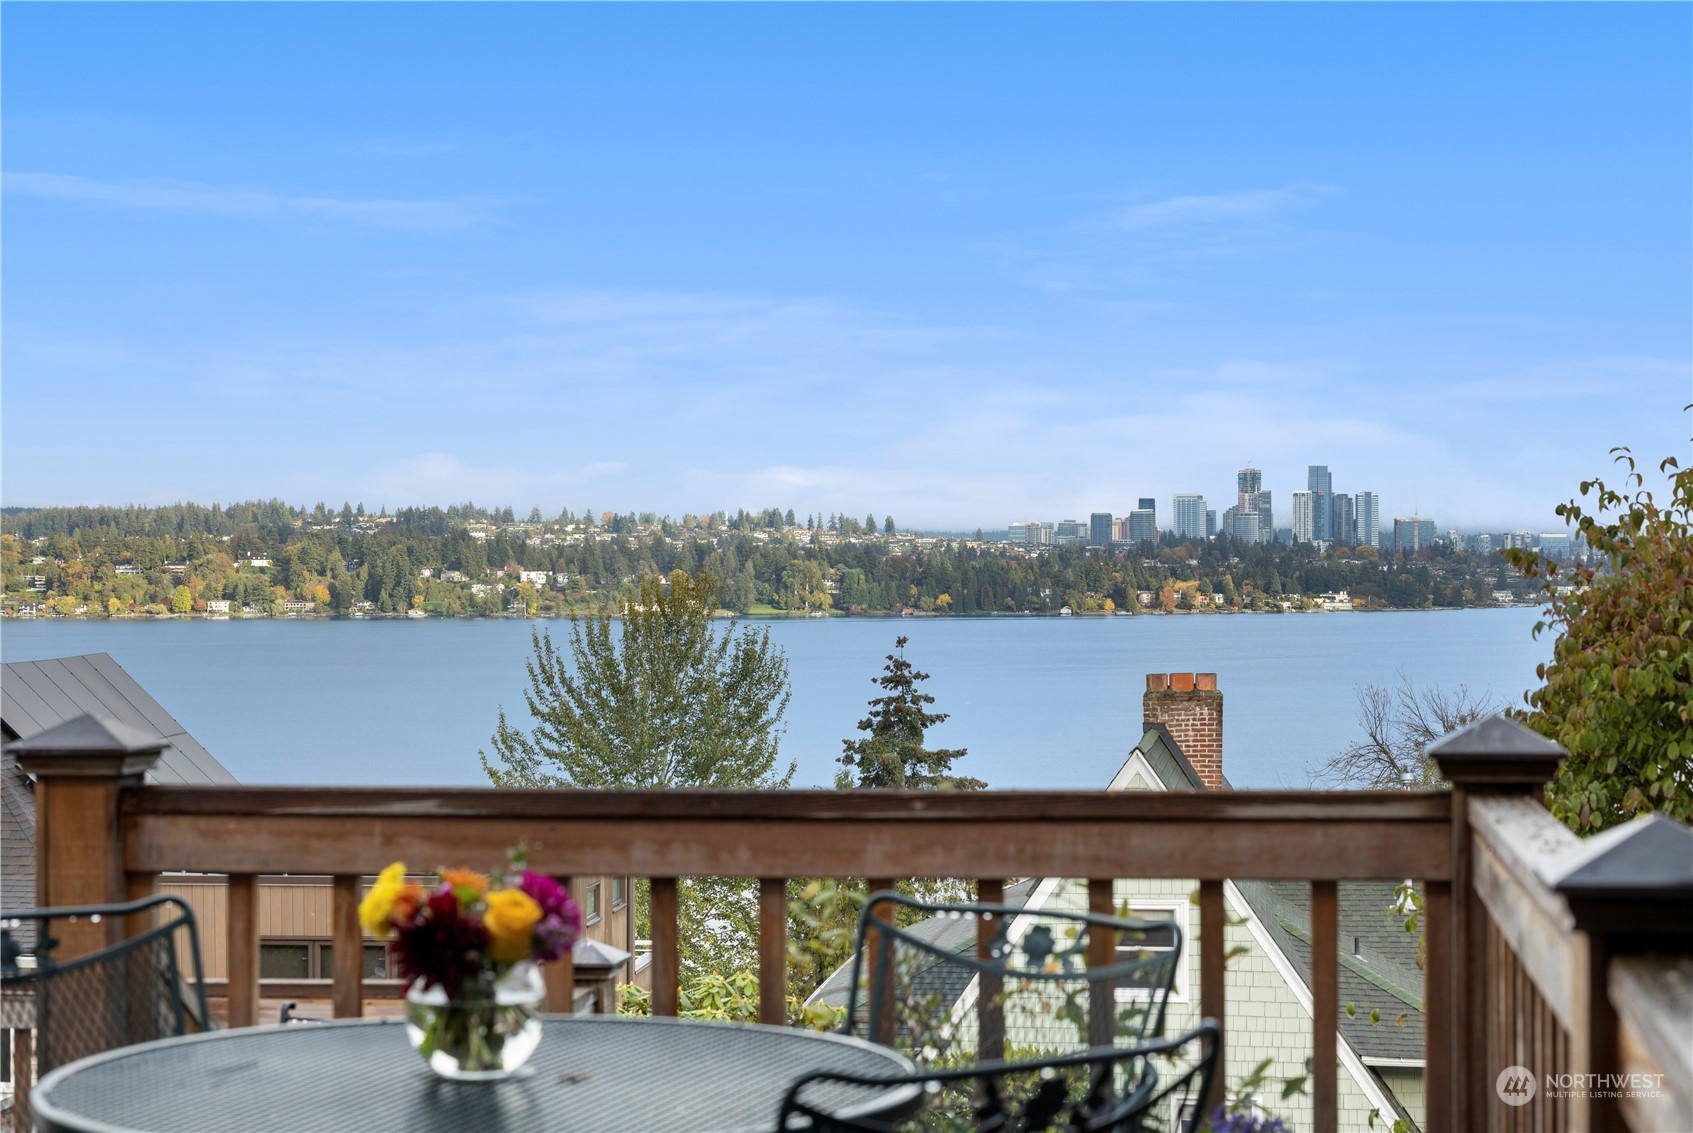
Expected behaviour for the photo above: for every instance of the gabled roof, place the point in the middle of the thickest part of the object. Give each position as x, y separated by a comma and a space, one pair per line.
1381, 976
1163, 757
37, 695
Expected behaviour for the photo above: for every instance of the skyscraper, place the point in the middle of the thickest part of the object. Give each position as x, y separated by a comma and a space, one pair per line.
1187, 515
1366, 513
1143, 522
1253, 522
1302, 530
1343, 527
1412, 533
1321, 487
1099, 529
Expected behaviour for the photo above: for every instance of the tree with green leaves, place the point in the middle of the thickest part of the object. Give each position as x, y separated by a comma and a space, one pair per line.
1619, 689
651, 696
892, 754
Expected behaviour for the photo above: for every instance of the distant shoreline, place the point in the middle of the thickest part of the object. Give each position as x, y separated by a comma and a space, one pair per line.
833, 615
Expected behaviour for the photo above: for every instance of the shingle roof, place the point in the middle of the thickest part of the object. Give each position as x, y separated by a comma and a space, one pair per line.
949, 934
1381, 976
36, 695
1384, 980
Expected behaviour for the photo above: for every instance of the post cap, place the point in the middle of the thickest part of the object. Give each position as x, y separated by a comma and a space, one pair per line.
1636, 878
1497, 752
88, 745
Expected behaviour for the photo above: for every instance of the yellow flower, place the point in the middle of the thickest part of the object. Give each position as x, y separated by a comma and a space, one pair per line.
510, 920
378, 904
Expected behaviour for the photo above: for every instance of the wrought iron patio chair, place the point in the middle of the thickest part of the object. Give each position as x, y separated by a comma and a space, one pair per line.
125, 993
1152, 1087
972, 981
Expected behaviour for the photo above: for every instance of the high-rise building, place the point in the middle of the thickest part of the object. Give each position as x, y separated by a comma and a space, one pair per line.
1187, 515
1023, 531
1252, 508
1070, 532
1343, 525
1303, 532
1366, 514
1412, 533
1321, 487
1099, 529
1143, 522
1120, 530
1211, 524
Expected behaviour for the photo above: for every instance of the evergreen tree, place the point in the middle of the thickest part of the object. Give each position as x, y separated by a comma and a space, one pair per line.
892, 755
887, 525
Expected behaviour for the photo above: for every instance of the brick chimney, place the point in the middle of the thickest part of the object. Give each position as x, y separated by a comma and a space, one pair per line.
1189, 705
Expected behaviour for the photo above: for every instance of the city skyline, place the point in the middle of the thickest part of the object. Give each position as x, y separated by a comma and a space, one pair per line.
684, 259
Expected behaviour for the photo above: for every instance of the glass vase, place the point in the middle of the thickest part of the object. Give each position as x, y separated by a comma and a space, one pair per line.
485, 1032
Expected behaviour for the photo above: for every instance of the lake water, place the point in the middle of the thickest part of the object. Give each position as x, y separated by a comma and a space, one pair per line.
1039, 702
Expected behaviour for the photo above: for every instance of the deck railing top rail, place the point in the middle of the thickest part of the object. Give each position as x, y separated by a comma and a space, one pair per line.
1276, 834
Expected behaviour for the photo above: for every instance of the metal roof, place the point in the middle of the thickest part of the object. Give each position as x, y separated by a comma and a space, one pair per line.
37, 695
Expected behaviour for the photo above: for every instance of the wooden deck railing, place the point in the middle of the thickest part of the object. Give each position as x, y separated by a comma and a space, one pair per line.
106, 837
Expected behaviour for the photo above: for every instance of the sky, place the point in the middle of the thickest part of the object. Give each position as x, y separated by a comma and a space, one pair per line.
962, 265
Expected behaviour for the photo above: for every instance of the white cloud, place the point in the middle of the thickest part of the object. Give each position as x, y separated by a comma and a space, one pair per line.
1243, 207
254, 204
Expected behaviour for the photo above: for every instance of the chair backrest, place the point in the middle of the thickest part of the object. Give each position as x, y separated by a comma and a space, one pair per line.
125, 993
1158, 1086
952, 983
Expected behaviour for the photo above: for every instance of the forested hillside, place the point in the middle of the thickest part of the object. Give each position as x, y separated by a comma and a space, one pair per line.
267, 558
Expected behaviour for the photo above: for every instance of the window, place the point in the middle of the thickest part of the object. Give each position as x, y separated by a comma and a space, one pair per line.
591, 904
619, 893
300, 958
1160, 940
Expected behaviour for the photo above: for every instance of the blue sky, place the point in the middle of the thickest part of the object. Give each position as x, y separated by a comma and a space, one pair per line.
961, 264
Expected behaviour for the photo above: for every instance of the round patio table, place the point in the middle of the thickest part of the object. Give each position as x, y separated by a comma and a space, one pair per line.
590, 1072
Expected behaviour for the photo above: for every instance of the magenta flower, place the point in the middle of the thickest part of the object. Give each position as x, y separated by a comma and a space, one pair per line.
555, 902
553, 938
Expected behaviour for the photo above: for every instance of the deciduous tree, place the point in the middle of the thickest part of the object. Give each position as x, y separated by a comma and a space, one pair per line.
1619, 689
653, 696
1398, 725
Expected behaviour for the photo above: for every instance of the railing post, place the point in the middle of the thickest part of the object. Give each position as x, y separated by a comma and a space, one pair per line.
1102, 953
666, 955
990, 989
348, 937
1494, 756
1631, 892
560, 975
1213, 952
81, 768
773, 951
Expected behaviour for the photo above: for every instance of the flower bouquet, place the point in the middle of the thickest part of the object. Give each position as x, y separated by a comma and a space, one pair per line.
470, 946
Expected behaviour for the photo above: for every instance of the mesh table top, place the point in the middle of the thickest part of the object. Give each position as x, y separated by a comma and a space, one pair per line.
593, 1072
